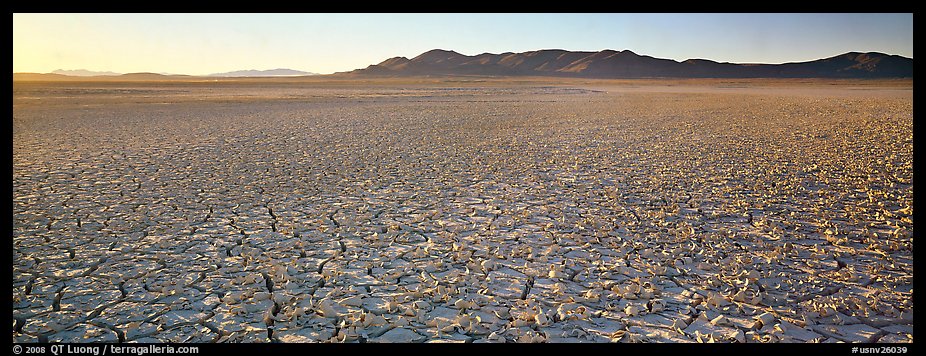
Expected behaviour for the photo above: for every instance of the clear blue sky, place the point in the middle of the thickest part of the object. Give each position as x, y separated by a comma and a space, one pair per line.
326, 43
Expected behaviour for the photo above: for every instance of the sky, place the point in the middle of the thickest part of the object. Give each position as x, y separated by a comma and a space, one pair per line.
199, 44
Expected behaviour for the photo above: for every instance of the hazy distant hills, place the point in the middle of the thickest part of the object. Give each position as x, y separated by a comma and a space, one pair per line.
279, 72
83, 73
626, 64
110, 77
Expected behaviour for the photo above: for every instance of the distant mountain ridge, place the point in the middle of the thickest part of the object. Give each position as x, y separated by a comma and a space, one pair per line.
279, 72
627, 64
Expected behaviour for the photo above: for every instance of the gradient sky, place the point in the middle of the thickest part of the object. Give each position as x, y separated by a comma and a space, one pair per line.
199, 44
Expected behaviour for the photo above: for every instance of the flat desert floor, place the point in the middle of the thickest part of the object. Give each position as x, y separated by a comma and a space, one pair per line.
463, 210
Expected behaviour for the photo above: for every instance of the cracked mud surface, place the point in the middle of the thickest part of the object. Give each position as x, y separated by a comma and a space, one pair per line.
461, 212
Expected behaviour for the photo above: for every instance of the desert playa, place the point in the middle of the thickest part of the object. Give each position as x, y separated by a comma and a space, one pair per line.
463, 209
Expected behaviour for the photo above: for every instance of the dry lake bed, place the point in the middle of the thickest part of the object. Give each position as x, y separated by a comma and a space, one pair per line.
463, 210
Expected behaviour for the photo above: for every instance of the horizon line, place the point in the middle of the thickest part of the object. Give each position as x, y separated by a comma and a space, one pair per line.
215, 74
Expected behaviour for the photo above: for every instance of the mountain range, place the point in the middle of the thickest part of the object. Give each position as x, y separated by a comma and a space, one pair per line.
627, 64
559, 63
